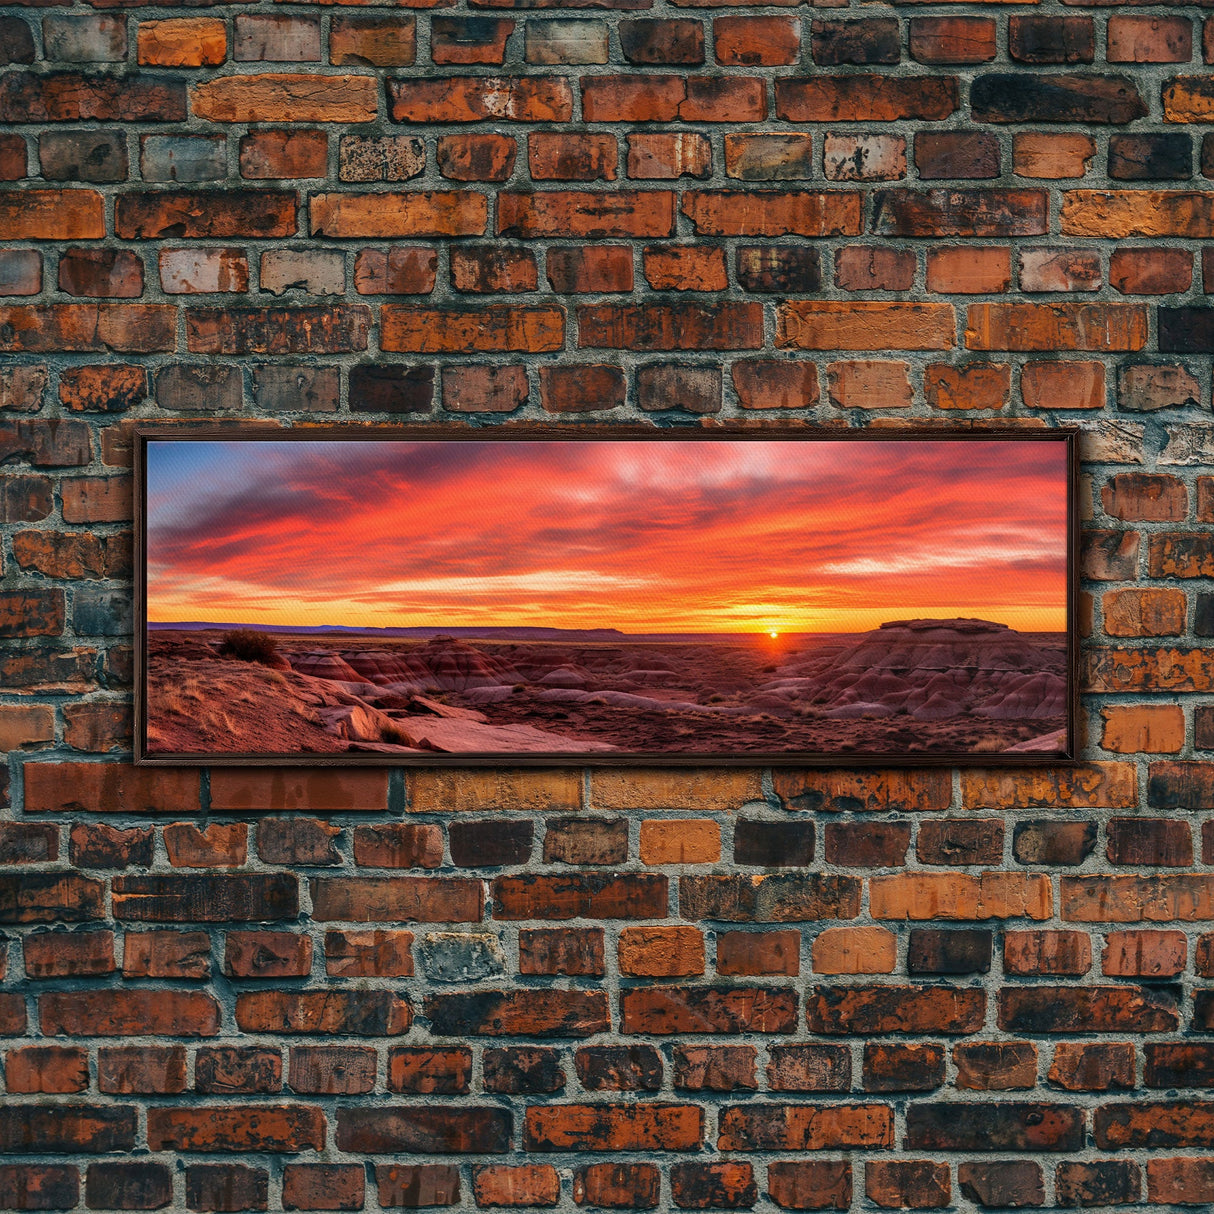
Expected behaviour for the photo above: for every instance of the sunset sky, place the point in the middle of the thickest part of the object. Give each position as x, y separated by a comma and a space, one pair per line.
681, 535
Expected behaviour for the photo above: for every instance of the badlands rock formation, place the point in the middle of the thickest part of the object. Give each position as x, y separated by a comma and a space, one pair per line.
911, 686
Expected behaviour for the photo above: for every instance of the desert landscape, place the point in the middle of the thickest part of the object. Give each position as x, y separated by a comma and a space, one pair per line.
911, 687
620, 596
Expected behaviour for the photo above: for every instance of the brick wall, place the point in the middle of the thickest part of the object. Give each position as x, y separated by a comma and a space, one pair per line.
696, 989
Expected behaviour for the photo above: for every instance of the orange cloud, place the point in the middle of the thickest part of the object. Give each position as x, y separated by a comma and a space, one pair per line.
677, 535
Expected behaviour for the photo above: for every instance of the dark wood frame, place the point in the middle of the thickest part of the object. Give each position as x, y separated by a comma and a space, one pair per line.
454, 433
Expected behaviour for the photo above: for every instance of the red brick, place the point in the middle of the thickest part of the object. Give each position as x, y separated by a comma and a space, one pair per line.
97, 726
515, 1013
502, 327
503, 1185
757, 953
775, 385
590, 270
557, 156
894, 1009
685, 268
125, 1013
1143, 728
219, 1128
182, 42
318, 1186
1137, 954
952, 39
666, 156
581, 388
575, 951
619, 1186
204, 214
974, 386
287, 789
49, 1069
61, 954
51, 215
772, 213
284, 97
226, 1187
399, 270
378, 41
1179, 1181
678, 326
284, 154
965, 270
804, 1127
899, 1184
756, 41
654, 98
265, 954
1149, 39
480, 99
810, 1185
874, 268
429, 1128
332, 1070
1063, 385
493, 268
363, 954
865, 97
809, 1068
476, 157
469, 40
167, 954
725, 1185
430, 1071
613, 1127
414, 1185
125, 328
101, 273
220, 845
566, 213
715, 1068
1151, 271
657, 42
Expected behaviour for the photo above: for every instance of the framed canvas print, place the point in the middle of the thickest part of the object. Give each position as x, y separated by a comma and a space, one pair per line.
538, 597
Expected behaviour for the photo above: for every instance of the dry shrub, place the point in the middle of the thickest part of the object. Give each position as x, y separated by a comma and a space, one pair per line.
247, 645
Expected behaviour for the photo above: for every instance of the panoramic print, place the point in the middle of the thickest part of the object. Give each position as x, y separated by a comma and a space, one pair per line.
605, 598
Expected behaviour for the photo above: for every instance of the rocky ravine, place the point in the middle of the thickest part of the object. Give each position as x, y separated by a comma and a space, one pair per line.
898, 687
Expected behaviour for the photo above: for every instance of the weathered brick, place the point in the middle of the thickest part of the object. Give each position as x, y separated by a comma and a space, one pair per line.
469, 39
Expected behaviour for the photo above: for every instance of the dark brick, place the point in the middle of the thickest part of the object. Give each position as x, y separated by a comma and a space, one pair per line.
130, 1185
772, 844
1003, 1126
16, 41
1100, 1182
1050, 842
1186, 330
1051, 39
1004, 97
1150, 157
903, 1068
226, 1187
619, 1068
779, 269
1007, 1184
871, 41
523, 1070
391, 388
489, 843
959, 951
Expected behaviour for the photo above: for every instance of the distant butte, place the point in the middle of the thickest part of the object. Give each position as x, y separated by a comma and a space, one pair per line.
959, 624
